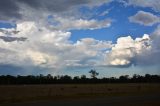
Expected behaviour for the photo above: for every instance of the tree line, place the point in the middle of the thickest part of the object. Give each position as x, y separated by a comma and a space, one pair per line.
65, 79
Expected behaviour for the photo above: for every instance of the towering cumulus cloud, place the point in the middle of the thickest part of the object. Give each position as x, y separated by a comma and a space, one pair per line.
48, 48
41, 34
127, 49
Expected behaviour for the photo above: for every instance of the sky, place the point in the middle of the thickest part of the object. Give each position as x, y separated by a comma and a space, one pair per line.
71, 37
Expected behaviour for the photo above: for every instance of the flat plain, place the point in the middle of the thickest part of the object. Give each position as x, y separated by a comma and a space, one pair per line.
140, 93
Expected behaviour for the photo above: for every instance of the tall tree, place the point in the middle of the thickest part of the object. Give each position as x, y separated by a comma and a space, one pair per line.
93, 73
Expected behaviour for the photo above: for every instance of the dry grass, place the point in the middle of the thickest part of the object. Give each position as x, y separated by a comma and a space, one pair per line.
20, 93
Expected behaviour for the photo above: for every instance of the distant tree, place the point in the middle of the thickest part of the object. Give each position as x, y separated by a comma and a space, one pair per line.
76, 78
124, 78
49, 76
83, 77
135, 76
66, 78
93, 73
49, 79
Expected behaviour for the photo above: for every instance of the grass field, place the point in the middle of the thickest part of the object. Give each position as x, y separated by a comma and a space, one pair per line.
24, 93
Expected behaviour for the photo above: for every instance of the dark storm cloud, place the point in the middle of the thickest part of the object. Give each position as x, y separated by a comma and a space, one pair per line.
7, 69
53, 5
151, 57
11, 39
10, 9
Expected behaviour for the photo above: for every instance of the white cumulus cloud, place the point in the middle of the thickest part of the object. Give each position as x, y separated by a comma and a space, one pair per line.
126, 49
49, 48
144, 18
61, 23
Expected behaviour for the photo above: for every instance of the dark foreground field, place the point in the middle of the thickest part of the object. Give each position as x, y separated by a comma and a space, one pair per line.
81, 95
147, 100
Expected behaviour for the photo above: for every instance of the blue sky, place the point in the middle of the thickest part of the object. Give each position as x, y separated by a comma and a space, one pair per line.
115, 37
120, 26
